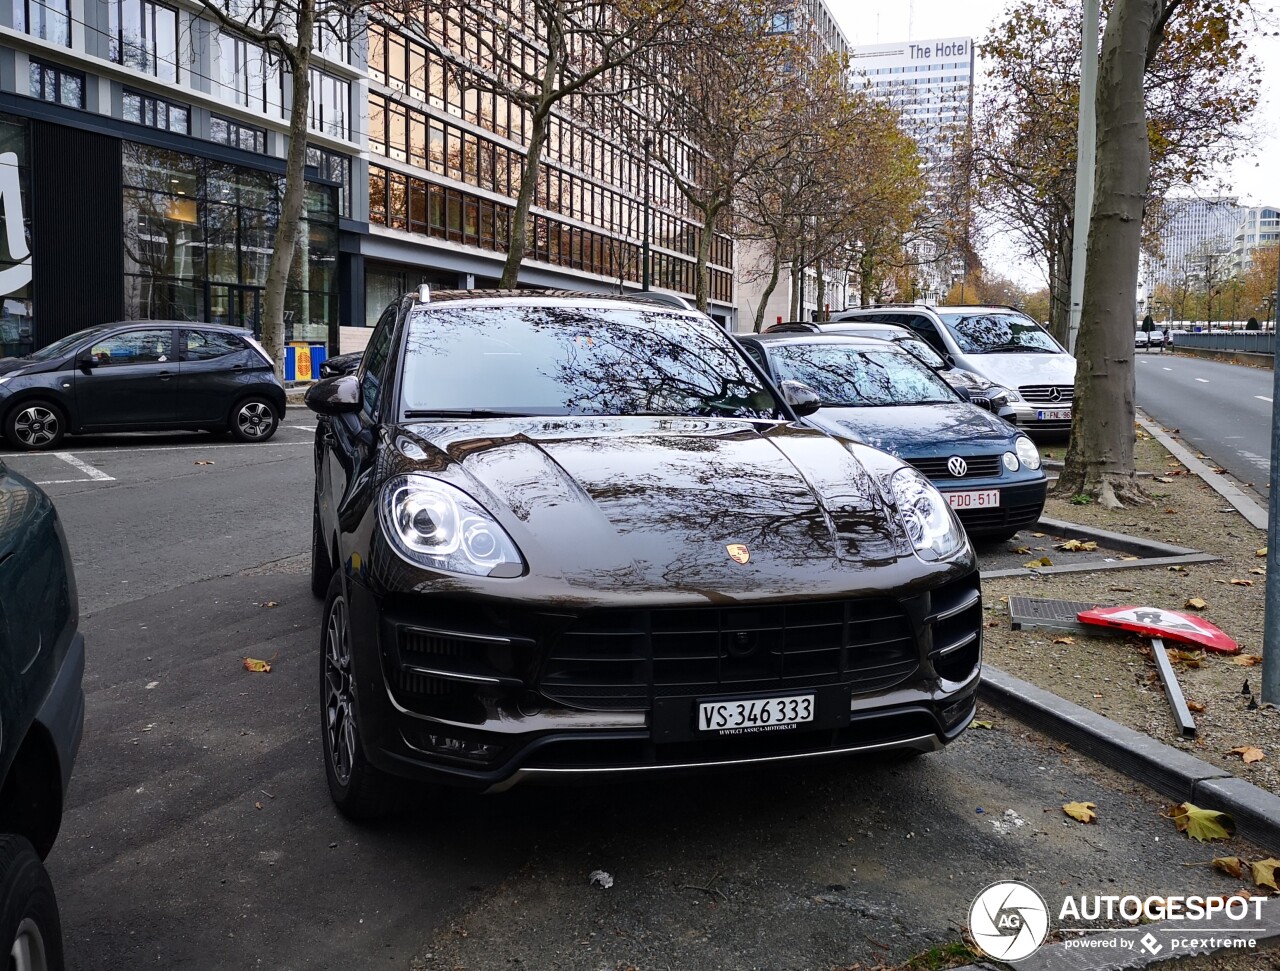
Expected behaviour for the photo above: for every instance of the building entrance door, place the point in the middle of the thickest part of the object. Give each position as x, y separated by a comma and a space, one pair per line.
239, 306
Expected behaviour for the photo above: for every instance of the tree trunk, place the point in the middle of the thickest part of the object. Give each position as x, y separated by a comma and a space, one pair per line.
820, 293
701, 278
865, 264
793, 311
773, 285
1099, 461
289, 225
1060, 288
519, 236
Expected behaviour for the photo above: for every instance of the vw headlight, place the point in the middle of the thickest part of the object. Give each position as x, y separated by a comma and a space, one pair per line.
1010, 461
433, 524
1028, 454
928, 520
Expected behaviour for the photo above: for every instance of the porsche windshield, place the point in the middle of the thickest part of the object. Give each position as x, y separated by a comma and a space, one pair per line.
574, 360
999, 333
856, 376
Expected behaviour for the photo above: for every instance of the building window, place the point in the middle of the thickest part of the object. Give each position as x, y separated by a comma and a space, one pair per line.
333, 167
144, 109
57, 84
243, 74
238, 135
47, 19
144, 36
330, 103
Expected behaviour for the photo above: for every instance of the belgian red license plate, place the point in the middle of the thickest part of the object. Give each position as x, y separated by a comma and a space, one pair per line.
974, 499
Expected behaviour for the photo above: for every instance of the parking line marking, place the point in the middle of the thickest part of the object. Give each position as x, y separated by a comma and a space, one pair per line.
1168, 369
1203, 380
95, 475
1263, 397
182, 448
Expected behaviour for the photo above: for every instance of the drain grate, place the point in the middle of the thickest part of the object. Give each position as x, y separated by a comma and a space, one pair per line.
1042, 612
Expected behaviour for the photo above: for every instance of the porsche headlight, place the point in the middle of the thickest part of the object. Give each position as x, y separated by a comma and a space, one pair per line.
1028, 454
933, 529
433, 524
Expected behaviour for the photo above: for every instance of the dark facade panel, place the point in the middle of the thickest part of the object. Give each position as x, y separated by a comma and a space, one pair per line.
76, 248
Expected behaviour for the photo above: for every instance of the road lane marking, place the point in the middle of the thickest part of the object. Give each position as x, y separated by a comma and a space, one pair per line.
1263, 397
45, 482
1203, 380
1168, 369
167, 448
95, 475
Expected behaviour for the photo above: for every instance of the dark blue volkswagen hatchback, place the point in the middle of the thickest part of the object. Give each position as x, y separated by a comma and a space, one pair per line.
142, 375
877, 393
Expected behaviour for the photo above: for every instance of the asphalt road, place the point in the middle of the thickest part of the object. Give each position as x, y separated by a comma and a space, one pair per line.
1224, 410
199, 833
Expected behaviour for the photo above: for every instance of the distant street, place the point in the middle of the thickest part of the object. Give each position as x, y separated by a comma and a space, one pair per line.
1224, 410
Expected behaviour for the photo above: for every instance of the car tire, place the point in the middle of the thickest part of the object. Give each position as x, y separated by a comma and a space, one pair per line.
35, 426
30, 929
321, 568
359, 790
253, 420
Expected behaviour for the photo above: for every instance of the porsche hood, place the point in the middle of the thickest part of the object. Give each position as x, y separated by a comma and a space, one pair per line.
645, 504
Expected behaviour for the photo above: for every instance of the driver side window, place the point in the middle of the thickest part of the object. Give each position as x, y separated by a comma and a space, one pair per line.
375, 363
133, 347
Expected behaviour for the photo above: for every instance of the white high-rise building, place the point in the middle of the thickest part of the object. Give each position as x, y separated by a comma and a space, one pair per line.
929, 81
1196, 231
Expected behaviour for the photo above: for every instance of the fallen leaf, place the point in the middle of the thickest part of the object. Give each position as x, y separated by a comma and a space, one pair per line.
1043, 561
1064, 640
1241, 583
1259, 571
1195, 706
1177, 569
1220, 471
256, 666
1121, 589
981, 724
1130, 557
1230, 865
1248, 753
1246, 660
1171, 512
1261, 552
1162, 478
204, 462
1038, 535
1202, 824
1023, 549
1078, 546
1195, 603
257, 805
1082, 811
272, 603
601, 878
1264, 872
1183, 657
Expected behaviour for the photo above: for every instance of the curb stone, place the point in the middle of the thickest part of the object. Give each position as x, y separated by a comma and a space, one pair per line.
1167, 770
1246, 507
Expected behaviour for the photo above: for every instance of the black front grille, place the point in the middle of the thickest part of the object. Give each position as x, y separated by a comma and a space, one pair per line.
977, 467
620, 659
1001, 517
1042, 394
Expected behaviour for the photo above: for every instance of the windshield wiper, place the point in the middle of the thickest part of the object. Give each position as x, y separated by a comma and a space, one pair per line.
463, 413
1013, 347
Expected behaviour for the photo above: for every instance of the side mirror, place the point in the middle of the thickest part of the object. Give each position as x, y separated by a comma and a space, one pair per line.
334, 396
962, 391
84, 361
802, 398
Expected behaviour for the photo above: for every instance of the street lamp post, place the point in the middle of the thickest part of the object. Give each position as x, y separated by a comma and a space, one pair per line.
644, 246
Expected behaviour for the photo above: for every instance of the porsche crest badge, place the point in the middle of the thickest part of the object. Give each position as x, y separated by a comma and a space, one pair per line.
738, 552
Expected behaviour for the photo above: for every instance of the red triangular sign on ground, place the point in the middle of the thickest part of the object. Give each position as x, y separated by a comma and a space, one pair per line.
1172, 625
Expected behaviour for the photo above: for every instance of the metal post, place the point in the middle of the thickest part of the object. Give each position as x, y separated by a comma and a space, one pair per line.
644, 247
1271, 622
1086, 145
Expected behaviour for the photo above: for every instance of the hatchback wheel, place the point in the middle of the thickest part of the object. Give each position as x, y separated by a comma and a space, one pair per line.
29, 925
35, 426
254, 420
359, 790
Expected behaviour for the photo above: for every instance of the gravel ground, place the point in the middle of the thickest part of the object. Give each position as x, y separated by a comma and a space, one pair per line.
1115, 676
1027, 547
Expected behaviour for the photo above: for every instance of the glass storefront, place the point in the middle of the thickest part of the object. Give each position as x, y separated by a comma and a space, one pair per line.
384, 283
198, 237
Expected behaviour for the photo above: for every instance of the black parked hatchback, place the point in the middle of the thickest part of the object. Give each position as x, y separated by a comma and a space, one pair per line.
571, 535
142, 375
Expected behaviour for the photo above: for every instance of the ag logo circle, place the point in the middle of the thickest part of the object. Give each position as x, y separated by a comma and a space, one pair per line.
1009, 921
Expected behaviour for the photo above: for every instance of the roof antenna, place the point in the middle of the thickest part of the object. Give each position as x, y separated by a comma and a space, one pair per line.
424, 293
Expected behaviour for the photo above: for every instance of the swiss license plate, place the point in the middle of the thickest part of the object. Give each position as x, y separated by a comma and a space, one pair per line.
974, 499
755, 714
1057, 414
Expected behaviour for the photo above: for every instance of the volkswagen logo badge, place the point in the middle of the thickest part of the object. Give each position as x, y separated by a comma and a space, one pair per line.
957, 466
1055, 394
